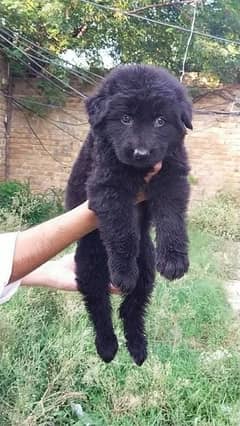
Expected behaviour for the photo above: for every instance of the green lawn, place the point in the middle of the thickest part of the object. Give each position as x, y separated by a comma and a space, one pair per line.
191, 377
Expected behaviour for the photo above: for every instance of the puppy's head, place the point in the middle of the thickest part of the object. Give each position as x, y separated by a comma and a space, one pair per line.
142, 111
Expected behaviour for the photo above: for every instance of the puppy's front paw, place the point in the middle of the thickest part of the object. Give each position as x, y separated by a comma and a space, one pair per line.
125, 281
173, 265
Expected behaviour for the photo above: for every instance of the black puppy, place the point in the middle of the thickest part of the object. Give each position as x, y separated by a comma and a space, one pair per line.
138, 118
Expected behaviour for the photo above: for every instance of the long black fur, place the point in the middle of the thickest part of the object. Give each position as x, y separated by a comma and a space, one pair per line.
109, 174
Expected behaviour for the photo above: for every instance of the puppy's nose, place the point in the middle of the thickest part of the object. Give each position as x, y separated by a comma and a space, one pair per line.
140, 154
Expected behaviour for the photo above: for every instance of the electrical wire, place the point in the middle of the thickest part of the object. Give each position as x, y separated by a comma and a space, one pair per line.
189, 41
158, 22
48, 52
38, 137
45, 70
48, 120
39, 73
51, 106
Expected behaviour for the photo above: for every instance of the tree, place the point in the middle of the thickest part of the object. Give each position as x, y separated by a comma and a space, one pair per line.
59, 25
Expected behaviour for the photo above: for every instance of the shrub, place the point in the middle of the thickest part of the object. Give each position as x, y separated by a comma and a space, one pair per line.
8, 190
219, 216
9, 221
36, 208
27, 207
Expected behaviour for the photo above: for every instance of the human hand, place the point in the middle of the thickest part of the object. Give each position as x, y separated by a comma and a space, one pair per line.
57, 274
153, 172
141, 196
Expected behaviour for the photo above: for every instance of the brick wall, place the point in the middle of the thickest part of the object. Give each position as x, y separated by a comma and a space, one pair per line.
3, 106
39, 150
213, 146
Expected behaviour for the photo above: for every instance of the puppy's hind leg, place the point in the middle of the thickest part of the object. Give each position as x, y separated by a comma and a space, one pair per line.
93, 280
132, 310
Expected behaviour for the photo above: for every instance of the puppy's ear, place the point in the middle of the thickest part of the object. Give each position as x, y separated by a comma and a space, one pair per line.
186, 113
97, 107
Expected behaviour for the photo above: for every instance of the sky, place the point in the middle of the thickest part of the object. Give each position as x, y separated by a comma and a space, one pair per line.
80, 61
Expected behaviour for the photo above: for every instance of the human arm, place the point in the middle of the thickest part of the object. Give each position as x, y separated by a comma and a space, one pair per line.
57, 274
36, 245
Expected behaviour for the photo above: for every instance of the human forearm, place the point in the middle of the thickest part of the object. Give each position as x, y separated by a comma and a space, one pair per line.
36, 245
57, 275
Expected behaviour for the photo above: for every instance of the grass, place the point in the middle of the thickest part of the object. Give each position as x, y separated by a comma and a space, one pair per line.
191, 377
219, 216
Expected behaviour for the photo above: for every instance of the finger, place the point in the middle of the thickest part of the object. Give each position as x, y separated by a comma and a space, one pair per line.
68, 285
141, 197
156, 168
114, 290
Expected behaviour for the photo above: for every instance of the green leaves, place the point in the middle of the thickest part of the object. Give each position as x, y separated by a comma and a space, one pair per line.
58, 25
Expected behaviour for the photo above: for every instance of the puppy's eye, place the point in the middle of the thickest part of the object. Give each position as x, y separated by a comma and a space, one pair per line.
127, 120
159, 122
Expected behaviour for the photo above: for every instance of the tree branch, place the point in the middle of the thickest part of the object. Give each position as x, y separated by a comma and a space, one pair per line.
157, 5
212, 112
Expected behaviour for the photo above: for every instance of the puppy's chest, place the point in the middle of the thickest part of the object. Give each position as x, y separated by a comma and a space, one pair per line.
120, 177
